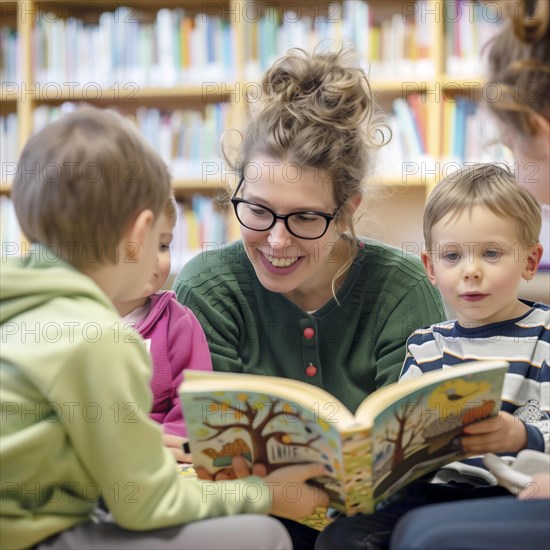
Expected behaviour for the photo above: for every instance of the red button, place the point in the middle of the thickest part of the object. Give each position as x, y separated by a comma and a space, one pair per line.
309, 333
311, 370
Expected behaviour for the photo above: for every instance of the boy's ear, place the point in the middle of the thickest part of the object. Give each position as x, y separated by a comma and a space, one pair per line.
427, 260
138, 231
532, 262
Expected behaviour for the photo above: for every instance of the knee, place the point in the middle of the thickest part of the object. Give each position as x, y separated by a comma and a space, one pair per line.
353, 533
329, 539
272, 533
418, 531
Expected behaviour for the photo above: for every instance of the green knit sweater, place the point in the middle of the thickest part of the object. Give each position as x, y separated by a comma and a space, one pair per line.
349, 347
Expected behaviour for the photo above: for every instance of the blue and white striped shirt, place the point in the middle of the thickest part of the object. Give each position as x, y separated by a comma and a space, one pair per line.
524, 342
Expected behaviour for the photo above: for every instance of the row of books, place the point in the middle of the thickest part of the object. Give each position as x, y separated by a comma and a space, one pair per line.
10, 65
188, 140
125, 46
398, 45
200, 226
9, 135
469, 134
174, 46
469, 26
408, 144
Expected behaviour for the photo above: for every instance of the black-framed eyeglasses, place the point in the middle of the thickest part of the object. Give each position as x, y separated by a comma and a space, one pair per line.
308, 224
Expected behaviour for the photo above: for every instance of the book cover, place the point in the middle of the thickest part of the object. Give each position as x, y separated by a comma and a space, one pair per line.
397, 434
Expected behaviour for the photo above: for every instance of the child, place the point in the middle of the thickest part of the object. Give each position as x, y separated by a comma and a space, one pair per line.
519, 68
74, 387
173, 335
481, 230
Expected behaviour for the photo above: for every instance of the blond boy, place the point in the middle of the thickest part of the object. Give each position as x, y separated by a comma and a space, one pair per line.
482, 231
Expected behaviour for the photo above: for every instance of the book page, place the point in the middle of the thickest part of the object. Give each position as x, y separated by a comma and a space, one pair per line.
419, 432
262, 427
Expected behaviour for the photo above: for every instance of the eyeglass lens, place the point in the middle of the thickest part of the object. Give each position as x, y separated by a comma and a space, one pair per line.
301, 224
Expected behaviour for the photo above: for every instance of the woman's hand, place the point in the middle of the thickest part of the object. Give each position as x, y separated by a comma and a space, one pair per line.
175, 446
291, 497
503, 433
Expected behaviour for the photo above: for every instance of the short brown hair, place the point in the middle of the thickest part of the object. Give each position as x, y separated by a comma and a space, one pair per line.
170, 209
492, 186
82, 180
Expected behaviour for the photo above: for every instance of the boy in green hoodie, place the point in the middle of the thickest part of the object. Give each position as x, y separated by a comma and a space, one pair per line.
74, 385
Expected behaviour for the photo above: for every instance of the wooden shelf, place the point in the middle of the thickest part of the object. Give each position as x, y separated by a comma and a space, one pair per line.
397, 181
537, 290
462, 82
7, 95
197, 184
127, 96
129, 93
5, 188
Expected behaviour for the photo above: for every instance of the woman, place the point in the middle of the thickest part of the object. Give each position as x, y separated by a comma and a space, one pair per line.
300, 296
519, 64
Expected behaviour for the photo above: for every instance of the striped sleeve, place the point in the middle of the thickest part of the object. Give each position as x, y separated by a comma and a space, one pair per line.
423, 354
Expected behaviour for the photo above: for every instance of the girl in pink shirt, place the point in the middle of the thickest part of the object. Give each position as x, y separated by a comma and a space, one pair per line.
173, 336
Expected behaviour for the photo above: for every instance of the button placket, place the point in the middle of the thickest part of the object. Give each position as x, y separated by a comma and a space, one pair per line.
310, 345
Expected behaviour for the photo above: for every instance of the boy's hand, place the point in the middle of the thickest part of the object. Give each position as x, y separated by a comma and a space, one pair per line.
174, 444
502, 434
291, 496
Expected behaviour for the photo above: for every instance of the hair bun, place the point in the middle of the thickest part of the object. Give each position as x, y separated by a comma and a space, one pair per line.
330, 87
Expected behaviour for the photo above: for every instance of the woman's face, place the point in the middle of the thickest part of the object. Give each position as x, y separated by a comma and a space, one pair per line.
283, 262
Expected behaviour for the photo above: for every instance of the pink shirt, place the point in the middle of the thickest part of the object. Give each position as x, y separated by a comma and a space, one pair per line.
176, 342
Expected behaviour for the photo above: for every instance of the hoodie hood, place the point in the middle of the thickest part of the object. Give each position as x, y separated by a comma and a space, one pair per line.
30, 282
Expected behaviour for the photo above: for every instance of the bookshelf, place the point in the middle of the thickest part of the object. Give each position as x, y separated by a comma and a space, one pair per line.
243, 21
205, 58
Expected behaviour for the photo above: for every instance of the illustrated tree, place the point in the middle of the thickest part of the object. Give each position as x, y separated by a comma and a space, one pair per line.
409, 426
256, 423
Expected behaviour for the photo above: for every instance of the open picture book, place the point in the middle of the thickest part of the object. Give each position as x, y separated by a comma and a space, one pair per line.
397, 434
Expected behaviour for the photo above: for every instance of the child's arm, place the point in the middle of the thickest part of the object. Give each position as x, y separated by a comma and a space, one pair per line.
502, 434
505, 434
539, 487
120, 448
423, 354
510, 433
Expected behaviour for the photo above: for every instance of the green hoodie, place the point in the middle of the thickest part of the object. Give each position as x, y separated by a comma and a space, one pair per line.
74, 389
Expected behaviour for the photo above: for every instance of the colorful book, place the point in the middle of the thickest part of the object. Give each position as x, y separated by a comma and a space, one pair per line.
397, 434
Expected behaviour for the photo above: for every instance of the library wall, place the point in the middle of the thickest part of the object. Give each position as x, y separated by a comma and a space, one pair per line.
187, 71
